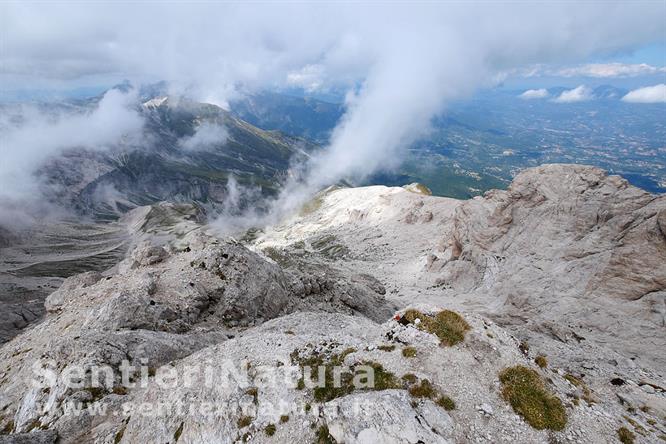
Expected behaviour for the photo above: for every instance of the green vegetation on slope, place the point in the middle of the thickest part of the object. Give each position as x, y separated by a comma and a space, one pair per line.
524, 389
447, 325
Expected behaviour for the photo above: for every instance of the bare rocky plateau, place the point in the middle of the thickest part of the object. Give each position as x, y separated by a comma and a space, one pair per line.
567, 264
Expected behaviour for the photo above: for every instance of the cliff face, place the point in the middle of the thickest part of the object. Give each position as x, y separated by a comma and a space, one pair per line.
566, 250
566, 264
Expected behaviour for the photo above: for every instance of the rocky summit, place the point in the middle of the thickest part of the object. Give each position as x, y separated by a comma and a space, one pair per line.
535, 314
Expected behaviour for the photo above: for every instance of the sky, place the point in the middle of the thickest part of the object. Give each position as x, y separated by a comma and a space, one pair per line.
398, 64
632, 67
216, 49
652, 54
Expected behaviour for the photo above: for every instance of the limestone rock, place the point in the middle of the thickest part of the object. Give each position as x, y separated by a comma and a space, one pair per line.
386, 416
566, 263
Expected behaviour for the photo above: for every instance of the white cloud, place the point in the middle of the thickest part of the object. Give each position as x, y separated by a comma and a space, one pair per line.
579, 94
214, 48
535, 94
310, 78
649, 94
610, 70
207, 136
401, 63
39, 135
594, 70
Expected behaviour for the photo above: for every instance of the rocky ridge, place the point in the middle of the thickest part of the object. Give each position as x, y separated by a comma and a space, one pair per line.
565, 266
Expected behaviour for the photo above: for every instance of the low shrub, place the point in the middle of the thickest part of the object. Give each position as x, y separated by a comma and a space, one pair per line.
526, 392
425, 389
383, 379
625, 435
409, 352
541, 361
422, 390
409, 378
447, 325
446, 403
244, 421
323, 436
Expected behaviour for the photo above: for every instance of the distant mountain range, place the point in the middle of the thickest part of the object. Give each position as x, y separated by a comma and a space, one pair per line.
483, 142
302, 116
188, 152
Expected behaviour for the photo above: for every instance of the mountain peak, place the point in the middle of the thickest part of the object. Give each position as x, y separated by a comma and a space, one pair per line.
155, 102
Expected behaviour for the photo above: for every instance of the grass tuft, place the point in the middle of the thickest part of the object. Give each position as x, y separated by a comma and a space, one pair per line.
446, 403
409, 352
625, 435
409, 378
577, 382
119, 436
254, 392
119, 390
323, 436
574, 380
383, 379
524, 389
541, 361
447, 325
8, 428
346, 352
178, 432
270, 430
423, 390
244, 421
524, 347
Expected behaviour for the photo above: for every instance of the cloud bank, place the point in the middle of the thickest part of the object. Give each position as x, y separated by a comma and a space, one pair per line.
37, 135
401, 63
649, 94
207, 136
541, 93
596, 70
579, 94
611, 70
